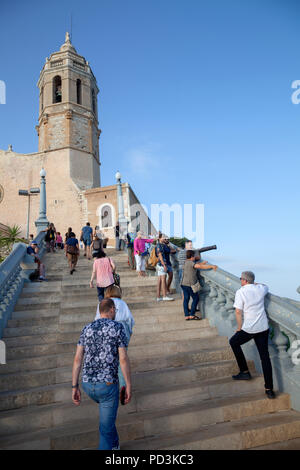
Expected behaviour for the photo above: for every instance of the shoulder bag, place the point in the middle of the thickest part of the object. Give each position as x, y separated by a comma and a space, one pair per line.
115, 275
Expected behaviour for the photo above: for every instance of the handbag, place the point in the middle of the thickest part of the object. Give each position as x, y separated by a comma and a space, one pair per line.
196, 287
117, 279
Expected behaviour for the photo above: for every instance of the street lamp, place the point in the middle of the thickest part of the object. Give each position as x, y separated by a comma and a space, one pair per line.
42, 222
29, 193
123, 223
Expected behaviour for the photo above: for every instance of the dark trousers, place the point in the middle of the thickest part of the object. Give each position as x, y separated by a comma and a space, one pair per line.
131, 257
261, 341
187, 294
101, 292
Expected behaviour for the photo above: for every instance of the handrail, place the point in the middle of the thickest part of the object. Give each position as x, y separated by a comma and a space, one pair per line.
14, 271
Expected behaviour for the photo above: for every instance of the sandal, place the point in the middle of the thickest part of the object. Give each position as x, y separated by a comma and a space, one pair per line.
196, 318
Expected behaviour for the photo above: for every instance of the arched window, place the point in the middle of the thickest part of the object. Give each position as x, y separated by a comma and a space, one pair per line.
78, 90
93, 101
106, 217
57, 95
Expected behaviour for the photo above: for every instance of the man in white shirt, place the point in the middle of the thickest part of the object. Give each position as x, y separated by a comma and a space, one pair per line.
252, 323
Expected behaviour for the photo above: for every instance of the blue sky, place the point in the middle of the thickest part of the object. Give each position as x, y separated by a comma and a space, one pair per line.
194, 106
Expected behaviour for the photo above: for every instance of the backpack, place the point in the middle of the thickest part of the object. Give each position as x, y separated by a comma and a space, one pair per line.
34, 276
97, 245
153, 259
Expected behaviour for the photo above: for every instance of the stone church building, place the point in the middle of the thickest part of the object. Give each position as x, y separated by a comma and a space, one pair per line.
68, 134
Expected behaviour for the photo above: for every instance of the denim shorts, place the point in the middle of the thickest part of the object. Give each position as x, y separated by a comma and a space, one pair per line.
161, 271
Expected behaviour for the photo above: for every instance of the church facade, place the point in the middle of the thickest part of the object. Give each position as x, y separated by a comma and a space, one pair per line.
68, 134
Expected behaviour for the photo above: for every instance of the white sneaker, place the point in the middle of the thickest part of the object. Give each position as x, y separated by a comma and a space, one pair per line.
167, 298
159, 299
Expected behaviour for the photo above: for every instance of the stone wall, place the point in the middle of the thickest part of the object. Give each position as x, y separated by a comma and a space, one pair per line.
65, 203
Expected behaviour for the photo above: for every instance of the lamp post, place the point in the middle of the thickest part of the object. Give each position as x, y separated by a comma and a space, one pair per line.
28, 193
42, 222
121, 216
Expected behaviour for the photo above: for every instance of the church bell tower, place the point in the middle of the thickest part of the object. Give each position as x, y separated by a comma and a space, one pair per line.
68, 114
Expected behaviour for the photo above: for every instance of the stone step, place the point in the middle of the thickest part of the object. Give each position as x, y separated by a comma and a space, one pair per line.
185, 374
17, 352
38, 303
33, 314
16, 327
29, 331
142, 400
135, 305
245, 433
291, 444
140, 364
36, 321
142, 317
49, 361
140, 381
175, 347
172, 335
24, 336
137, 428
70, 286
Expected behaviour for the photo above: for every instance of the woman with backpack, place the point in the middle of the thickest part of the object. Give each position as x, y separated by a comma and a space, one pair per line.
96, 245
72, 251
50, 238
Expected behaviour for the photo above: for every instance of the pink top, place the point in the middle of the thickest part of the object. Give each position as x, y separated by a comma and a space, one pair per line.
104, 273
139, 244
59, 239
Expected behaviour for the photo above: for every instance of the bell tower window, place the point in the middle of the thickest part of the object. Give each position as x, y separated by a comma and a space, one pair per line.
57, 94
42, 98
93, 101
78, 91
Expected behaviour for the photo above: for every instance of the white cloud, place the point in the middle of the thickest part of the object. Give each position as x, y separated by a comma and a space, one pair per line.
143, 161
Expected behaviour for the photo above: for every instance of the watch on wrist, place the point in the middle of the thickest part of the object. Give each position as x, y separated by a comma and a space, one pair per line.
75, 386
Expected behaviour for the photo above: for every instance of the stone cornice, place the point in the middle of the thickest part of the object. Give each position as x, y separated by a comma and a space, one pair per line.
102, 189
63, 111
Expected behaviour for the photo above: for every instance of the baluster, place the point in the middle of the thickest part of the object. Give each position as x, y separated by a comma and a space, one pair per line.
280, 342
230, 310
294, 353
213, 293
220, 301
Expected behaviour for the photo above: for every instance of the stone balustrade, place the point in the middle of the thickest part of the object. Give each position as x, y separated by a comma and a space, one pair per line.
216, 304
14, 271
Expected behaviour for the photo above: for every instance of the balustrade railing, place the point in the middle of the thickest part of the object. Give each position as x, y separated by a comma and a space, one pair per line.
216, 304
14, 271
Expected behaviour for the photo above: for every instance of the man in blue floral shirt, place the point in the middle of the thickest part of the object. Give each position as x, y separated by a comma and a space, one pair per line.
102, 344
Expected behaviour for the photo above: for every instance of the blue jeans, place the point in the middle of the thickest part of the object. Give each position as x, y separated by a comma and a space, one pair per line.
187, 294
101, 292
107, 396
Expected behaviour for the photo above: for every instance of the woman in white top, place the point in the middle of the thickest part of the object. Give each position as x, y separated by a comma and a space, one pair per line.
123, 315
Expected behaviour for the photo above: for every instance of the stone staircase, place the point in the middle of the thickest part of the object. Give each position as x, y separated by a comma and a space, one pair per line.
183, 393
